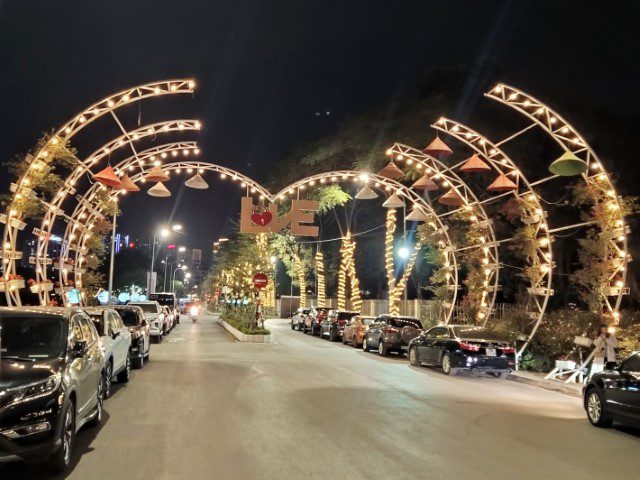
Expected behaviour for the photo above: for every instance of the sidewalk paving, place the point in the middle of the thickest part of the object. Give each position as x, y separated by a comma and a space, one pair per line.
537, 379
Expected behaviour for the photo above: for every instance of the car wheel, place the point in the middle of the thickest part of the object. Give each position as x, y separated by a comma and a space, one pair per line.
365, 347
413, 357
107, 380
446, 365
159, 338
125, 375
383, 351
60, 459
97, 415
139, 362
344, 339
596, 412
500, 374
332, 336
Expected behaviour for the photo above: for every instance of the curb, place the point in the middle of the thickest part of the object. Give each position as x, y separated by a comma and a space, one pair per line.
566, 389
243, 337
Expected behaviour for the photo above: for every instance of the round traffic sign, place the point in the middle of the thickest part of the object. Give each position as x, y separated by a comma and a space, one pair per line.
260, 280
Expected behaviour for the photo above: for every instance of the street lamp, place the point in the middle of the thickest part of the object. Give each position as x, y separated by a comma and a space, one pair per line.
164, 232
173, 275
404, 252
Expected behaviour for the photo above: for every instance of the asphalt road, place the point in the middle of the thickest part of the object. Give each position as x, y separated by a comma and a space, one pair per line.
207, 407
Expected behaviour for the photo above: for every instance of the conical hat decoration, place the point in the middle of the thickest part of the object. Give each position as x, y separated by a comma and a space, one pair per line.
127, 184
416, 215
394, 201
474, 164
451, 198
437, 148
425, 183
568, 165
366, 193
502, 184
391, 170
156, 175
159, 190
197, 182
107, 177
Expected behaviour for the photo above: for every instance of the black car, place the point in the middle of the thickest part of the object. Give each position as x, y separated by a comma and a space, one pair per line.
391, 334
333, 326
463, 347
614, 394
51, 382
133, 318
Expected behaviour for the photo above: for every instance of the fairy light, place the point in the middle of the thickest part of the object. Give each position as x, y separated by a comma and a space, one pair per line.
322, 294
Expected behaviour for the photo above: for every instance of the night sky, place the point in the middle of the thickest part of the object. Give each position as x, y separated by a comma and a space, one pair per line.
264, 68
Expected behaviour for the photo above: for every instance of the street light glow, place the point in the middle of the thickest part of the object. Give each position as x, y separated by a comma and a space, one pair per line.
403, 252
182, 249
177, 227
273, 259
183, 267
164, 232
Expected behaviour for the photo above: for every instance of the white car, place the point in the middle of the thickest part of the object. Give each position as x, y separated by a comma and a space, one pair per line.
155, 318
169, 318
115, 342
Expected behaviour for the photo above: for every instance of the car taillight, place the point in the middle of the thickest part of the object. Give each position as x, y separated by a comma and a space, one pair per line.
508, 350
471, 347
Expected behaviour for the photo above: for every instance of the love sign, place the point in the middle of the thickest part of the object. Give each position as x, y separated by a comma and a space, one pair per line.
263, 219
300, 218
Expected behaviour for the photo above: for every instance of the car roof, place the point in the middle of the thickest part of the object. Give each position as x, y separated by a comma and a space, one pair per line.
163, 293
29, 311
97, 310
141, 302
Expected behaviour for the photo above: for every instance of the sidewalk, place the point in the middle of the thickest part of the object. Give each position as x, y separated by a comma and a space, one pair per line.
537, 379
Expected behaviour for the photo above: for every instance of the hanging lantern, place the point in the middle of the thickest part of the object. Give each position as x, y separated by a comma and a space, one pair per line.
127, 184
156, 175
437, 148
197, 182
159, 190
366, 193
425, 183
108, 177
416, 215
568, 165
502, 184
451, 198
474, 164
391, 170
394, 201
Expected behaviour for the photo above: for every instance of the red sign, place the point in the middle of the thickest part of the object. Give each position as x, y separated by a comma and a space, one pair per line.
171, 246
260, 280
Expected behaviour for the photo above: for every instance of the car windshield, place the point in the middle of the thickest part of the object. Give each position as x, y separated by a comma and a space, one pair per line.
164, 300
129, 317
147, 307
367, 321
345, 315
32, 337
475, 333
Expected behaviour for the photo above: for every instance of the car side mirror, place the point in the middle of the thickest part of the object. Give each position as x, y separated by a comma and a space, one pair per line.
79, 349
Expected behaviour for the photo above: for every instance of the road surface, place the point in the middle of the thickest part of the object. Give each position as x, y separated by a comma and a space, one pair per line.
207, 407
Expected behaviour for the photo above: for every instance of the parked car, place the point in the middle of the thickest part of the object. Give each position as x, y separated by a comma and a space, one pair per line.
332, 326
614, 395
463, 347
169, 318
155, 318
391, 334
318, 315
170, 300
353, 332
115, 341
297, 321
51, 383
134, 319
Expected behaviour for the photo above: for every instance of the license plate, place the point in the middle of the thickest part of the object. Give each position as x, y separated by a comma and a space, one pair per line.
490, 352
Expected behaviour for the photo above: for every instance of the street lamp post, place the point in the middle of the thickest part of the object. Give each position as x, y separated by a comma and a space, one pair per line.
173, 275
164, 233
166, 262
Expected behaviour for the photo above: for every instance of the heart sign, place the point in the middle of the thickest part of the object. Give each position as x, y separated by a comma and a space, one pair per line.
261, 219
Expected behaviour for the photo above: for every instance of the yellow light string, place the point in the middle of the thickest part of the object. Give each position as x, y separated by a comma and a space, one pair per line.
396, 293
347, 272
322, 294
302, 280
388, 247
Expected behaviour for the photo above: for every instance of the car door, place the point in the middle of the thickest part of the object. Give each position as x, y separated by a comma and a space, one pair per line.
125, 335
119, 355
423, 343
95, 360
625, 391
437, 342
80, 368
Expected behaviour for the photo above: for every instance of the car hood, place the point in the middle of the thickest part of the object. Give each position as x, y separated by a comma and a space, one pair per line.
14, 373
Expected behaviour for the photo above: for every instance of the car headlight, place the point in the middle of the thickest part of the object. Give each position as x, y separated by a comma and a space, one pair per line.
194, 310
34, 390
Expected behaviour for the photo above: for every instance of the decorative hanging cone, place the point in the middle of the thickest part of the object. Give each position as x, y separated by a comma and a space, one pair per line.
391, 170
425, 183
437, 148
451, 198
127, 184
474, 164
568, 165
197, 182
107, 177
394, 201
159, 190
416, 215
366, 193
156, 175
502, 184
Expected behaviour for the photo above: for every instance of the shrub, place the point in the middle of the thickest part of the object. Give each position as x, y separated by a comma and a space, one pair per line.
243, 318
